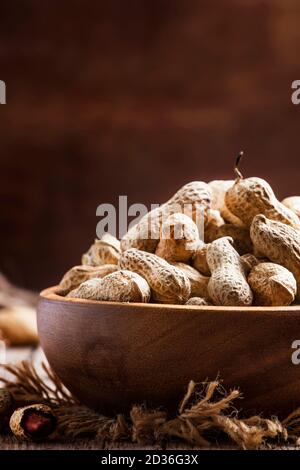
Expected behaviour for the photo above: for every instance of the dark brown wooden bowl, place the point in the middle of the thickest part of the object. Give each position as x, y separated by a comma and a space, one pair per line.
111, 355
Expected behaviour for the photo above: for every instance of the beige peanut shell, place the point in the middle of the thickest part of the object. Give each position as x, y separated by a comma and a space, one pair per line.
198, 281
79, 274
145, 234
218, 190
120, 286
87, 290
193, 199
241, 237
278, 242
249, 261
168, 284
293, 203
104, 251
198, 301
272, 285
111, 240
179, 238
213, 223
228, 284
252, 196
199, 260
230, 218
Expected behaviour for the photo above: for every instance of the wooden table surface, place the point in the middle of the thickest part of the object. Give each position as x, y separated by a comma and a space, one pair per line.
36, 355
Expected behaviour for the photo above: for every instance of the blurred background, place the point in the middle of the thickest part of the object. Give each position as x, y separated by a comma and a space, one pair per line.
136, 97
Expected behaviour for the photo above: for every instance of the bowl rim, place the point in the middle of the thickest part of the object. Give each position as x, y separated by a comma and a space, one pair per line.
50, 294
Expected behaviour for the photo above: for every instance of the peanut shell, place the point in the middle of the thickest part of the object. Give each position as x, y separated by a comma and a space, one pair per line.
79, 274
241, 237
104, 251
199, 260
218, 191
198, 281
278, 242
197, 301
213, 223
228, 284
16, 422
168, 284
193, 199
120, 286
272, 285
252, 196
293, 203
179, 238
249, 261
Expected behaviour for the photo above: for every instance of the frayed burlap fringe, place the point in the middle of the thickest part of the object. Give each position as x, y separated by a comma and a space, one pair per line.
205, 415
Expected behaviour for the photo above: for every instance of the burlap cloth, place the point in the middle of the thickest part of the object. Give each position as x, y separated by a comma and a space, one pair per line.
207, 418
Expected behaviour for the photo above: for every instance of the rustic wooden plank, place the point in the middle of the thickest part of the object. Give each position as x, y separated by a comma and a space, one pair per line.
11, 443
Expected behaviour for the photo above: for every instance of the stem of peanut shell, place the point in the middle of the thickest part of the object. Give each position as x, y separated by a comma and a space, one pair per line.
237, 172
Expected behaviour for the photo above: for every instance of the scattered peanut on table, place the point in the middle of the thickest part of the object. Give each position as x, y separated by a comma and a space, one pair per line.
243, 250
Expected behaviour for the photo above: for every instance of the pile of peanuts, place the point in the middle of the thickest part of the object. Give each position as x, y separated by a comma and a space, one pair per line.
250, 254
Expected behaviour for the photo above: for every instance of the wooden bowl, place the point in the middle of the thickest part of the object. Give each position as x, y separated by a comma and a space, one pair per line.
111, 355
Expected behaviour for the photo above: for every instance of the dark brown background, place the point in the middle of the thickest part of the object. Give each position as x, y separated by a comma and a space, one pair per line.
134, 97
